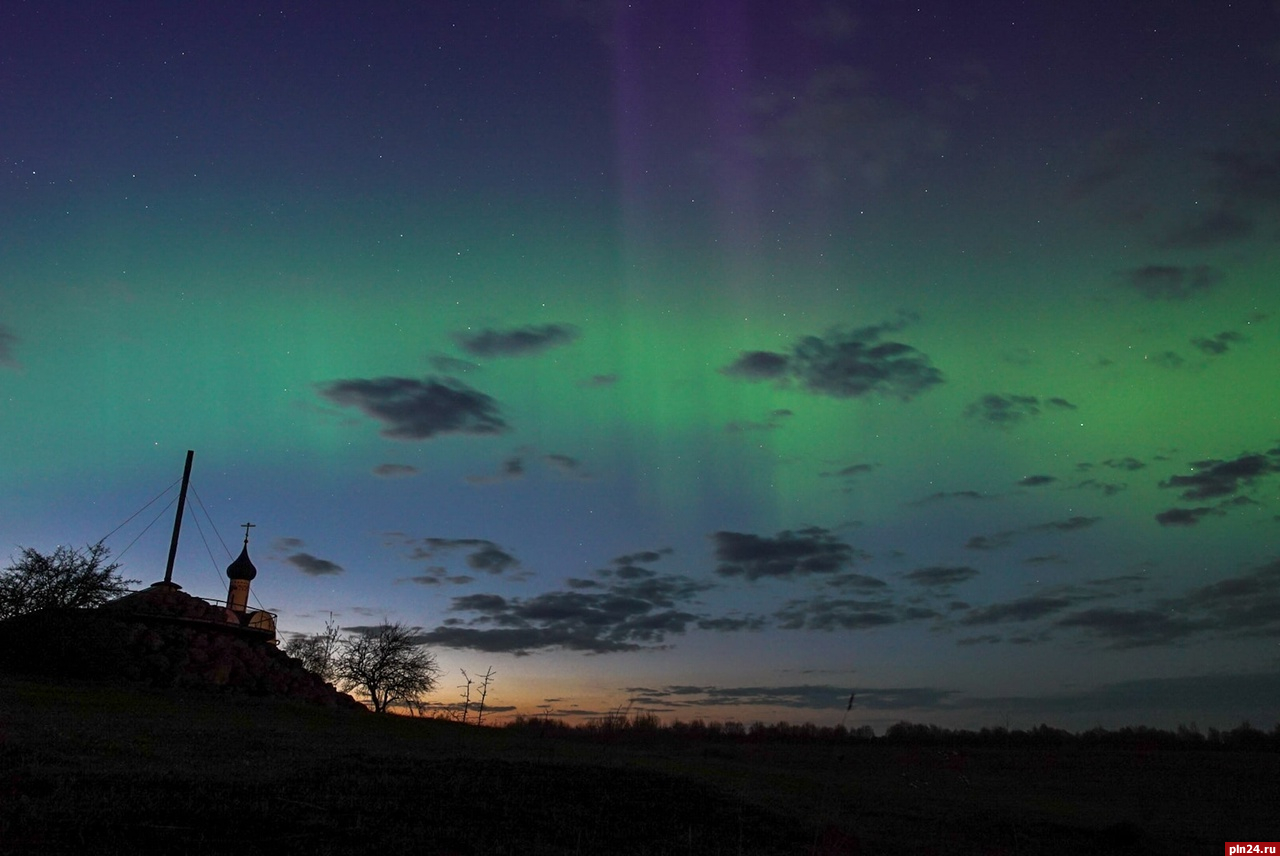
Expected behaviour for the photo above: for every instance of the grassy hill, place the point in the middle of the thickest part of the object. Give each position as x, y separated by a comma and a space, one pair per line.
90, 767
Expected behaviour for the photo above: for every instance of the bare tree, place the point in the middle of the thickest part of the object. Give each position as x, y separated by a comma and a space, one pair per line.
486, 680
388, 665
318, 651
466, 694
67, 577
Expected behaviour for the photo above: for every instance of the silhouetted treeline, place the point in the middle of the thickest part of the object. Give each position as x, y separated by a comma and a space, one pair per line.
648, 728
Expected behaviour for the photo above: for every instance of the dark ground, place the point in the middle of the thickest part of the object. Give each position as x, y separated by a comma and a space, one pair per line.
106, 769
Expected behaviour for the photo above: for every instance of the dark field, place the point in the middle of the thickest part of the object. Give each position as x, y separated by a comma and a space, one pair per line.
93, 769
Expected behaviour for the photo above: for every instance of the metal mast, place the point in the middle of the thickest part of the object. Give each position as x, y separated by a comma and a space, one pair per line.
177, 520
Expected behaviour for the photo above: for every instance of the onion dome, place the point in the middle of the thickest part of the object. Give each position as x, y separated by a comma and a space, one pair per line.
242, 568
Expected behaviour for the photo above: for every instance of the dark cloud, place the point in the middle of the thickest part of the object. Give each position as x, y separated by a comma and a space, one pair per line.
836, 127
1250, 172
1241, 606
941, 496
624, 615
1128, 464
566, 465
313, 566
516, 342
731, 624
999, 540
1185, 516
941, 575
1168, 360
512, 468
986, 639
995, 541
772, 423
286, 544
394, 470
1107, 488
849, 471
482, 555
759, 365
1021, 609
1218, 345
845, 364
1114, 155
860, 582
1244, 605
1071, 524
8, 344
412, 409
451, 365
1037, 481
1208, 229
784, 556
599, 380
643, 557
1008, 410
837, 614
800, 697
1171, 282
1130, 628
1216, 478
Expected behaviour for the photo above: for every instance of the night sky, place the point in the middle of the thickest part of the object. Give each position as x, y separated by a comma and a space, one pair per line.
720, 358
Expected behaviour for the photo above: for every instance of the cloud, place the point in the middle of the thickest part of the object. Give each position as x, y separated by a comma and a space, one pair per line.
418, 409
759, 365
566, 465
772, 423
451, 365
849, 471
1019, 610
1005, 411
8, 345
1130, 628
394, 470
1217, 478
642, 557
837, 128
837, 614
481, 555
1218, 345
1185, 516
1250, 172
313, 566
1037, 480
952, 494
1114, 155
1128, 464
845, 364
609, 616
1106, 488
1071, 524
1208, 229
854, 581
784, 556
800, 697
599, 380
999, 540
516, 342
995, 541
1171, 282
941, 576
512, 469
1243, 606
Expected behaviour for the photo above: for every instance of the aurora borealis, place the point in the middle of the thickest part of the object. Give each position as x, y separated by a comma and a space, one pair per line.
722, 358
